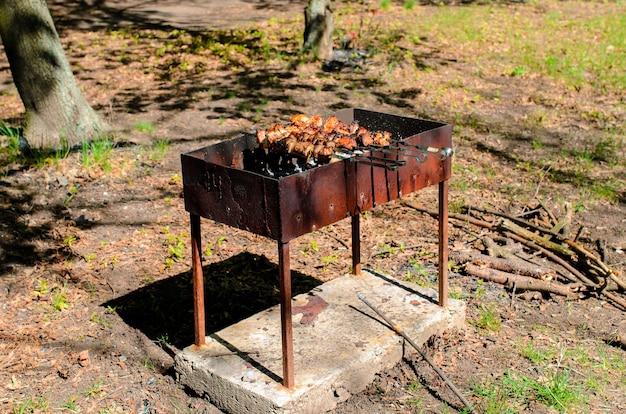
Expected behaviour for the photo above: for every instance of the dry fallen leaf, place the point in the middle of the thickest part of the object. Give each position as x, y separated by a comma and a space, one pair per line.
83, 358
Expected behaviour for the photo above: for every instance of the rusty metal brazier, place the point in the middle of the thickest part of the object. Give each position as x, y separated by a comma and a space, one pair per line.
223, 182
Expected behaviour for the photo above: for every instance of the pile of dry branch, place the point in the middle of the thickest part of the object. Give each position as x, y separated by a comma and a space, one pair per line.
533, 251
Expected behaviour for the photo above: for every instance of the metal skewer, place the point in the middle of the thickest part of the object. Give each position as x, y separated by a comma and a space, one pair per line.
442, 153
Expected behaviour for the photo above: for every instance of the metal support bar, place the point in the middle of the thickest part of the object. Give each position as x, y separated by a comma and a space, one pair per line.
443, 243
198, 281
356, 244
284, 272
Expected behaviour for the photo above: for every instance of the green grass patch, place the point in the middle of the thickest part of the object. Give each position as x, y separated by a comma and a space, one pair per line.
488, 318
512, 392
159, 150
10, 140
144, 126
97, 154
560, 40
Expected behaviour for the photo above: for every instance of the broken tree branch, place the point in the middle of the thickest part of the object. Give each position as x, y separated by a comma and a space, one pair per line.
504, 265
589, 260
518, 281
582, 265
616, 299
508, 225
565, 264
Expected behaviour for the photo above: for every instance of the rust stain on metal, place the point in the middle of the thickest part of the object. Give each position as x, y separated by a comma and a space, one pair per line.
310, 311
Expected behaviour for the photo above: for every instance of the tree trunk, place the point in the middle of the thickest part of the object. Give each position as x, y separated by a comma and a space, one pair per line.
318, 28
56, 111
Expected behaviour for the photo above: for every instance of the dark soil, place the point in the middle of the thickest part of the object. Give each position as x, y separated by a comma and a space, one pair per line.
95, 260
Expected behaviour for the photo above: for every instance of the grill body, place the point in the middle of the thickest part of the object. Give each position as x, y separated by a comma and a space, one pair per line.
218, 186
221, 183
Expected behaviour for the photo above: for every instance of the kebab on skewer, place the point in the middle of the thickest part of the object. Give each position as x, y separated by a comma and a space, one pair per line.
311, 136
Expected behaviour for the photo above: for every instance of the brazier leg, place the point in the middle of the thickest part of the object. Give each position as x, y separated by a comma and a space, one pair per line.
443, 243
285, 313
198, 281
356, 244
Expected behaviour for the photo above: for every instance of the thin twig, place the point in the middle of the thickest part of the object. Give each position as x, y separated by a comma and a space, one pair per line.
528, 213
616, 299
399, 331
461, 217
547, 210
325, 233
541, 180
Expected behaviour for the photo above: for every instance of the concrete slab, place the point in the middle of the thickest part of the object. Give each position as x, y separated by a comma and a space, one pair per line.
339, 346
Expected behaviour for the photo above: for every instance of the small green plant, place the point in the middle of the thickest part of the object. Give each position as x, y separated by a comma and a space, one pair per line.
176, 248
311, 246
100, 320
148, 363
159, 150
503, 395
518, 71
71, 404
208, 250
13, 140
480, 289
162, 340
97, 154
42, 287
556, 391
169, 262
144, 126
414, 386
73, 190
30, 405
69, 241
47, 157
418, 273
175, 245
97, 390
59, 299
420, 277
528, 350
605, 190
456, 292
414, 402
326, 260
389, 249
488, 318
511, 391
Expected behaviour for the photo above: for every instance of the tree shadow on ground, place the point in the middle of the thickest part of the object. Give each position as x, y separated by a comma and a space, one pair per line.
168, 14
235, 289
19, 238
